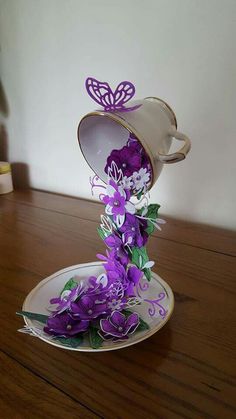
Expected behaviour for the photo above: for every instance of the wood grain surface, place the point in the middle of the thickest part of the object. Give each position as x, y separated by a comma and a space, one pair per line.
186, 370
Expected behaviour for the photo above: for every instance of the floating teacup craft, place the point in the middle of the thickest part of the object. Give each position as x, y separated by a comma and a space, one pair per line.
117, 301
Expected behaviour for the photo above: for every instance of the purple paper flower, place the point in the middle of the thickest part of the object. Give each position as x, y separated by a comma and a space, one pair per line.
117, 202
63, 325
133, 275
127, 159
136, 146
115, 243
117, 326
66, 298
88, 308
131, 233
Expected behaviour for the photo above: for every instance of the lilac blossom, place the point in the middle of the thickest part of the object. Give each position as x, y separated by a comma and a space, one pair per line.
118, 327
63, 325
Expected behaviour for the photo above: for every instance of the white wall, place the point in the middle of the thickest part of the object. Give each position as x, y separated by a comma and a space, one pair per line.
180, 50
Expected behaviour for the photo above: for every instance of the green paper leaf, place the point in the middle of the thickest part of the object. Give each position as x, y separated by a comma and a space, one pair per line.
148, 273
152, 212
71, 342
33, 316
95, 339
101, 233
150, 228
139, 195
69, 285
126, 312
139, 256
142, 324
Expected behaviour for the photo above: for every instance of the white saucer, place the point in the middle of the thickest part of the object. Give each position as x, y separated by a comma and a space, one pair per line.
37, 301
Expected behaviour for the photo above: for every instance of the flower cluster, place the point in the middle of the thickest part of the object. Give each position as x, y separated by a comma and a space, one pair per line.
97, 303
102, 307
134, 163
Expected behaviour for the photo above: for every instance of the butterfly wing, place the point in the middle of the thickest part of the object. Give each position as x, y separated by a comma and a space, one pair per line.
124, 92
100, 92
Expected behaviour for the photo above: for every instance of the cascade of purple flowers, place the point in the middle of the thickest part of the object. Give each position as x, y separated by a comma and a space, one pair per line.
103, 303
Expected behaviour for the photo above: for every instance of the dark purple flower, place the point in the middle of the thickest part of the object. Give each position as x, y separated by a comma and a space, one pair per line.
143, 226
63, 325
133, 275
130, 230
66, 298
87, 308
117, 326
127, 159
135, 145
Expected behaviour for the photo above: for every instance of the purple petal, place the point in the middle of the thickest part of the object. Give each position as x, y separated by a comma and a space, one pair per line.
55, 300
134, 274
132, 322
113, 241
117, 319
108, 328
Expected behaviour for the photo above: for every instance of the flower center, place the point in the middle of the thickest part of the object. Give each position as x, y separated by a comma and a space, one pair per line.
68, 327
120, 329
138, 177
90, 312
116, 203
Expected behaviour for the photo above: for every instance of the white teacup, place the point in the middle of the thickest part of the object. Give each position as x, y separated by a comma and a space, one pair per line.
153, 123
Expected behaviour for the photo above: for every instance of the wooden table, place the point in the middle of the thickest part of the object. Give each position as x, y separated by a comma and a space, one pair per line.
186, 370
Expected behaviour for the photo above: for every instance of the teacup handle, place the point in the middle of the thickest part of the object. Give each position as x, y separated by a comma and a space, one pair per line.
179, 155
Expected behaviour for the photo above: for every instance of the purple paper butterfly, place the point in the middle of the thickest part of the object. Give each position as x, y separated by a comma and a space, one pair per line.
111, 101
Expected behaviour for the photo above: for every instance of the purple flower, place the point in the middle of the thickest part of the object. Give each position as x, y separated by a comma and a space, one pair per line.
115, 243
63, 325
131, 233
135, 145
127, 159
88, 308
117, 327
117, 202
113, 266
142, 226
66, 298
133, 275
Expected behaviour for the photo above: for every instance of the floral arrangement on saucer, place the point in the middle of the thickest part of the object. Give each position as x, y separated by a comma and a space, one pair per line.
103, 308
